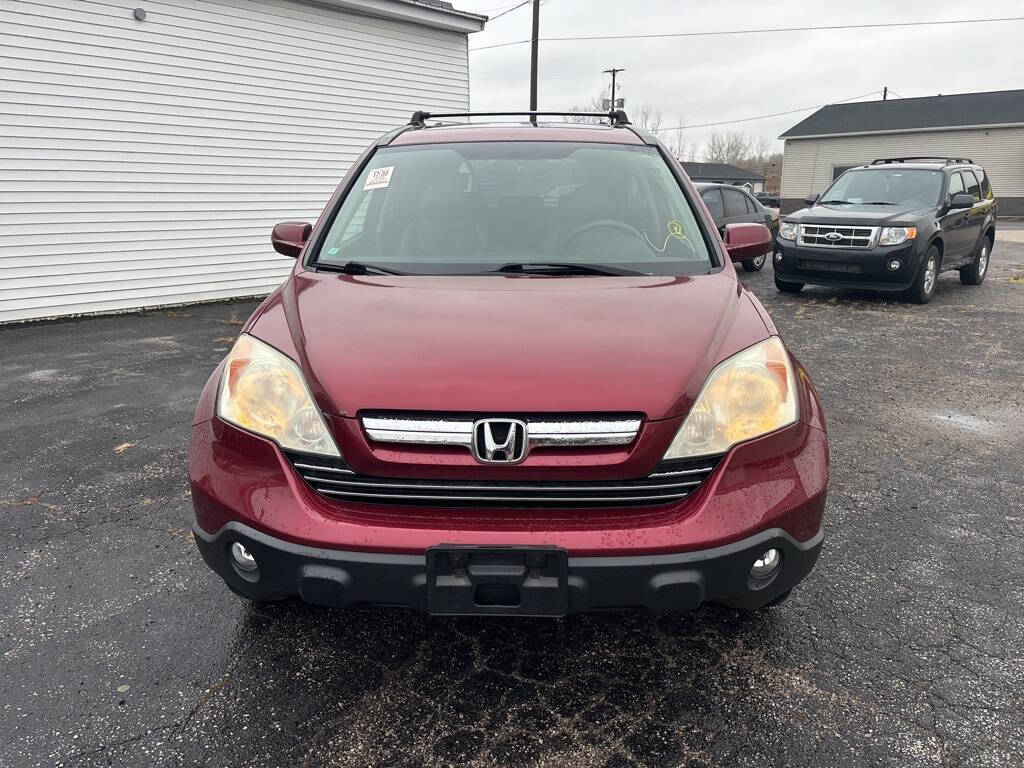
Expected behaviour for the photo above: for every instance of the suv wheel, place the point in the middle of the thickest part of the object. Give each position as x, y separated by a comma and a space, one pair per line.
755, 265
975, 272
788, 287
923, 289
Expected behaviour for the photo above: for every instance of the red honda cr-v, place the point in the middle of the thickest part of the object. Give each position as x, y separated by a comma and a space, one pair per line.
512, 372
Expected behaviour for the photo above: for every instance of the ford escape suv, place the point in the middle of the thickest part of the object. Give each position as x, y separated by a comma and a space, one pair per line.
511, 373
894, 225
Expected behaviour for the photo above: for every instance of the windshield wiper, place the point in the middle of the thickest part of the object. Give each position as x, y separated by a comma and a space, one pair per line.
563, 268
358, 268
834, 202
879, 202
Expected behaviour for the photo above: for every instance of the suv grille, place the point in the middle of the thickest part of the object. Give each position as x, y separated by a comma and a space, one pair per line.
670, 482
829, 236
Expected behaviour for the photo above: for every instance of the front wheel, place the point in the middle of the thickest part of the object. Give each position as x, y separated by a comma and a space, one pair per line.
788, 287
974, 273
755, 265
923, 289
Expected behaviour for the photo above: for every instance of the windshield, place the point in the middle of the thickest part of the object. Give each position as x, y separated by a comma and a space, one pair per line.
476, 207
913, 188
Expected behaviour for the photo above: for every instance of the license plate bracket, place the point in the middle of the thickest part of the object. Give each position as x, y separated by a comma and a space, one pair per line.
497, 581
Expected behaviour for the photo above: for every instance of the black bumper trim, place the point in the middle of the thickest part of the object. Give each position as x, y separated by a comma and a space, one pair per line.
852, 283
672, 582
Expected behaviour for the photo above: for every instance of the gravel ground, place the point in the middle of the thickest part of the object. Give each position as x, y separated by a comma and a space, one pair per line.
905, 647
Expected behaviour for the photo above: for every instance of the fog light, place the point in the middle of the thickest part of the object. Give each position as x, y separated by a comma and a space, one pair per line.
243, 558
778, 256
766, 564
895, 264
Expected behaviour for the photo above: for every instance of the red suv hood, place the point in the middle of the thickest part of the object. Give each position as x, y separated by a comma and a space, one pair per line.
509, 344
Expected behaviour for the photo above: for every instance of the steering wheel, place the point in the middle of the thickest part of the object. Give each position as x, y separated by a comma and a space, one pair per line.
602, 223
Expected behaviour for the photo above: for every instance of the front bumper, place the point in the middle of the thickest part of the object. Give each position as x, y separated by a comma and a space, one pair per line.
852, 267
673, 582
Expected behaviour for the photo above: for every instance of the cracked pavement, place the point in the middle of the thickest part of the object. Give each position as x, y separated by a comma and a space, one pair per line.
905, 647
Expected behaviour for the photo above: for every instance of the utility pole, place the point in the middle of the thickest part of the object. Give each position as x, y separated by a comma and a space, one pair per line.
533, 60
613, 72
885, 92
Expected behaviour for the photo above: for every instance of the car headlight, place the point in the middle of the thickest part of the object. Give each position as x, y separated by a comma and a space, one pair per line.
788, 230
749, 395
263, 391
897, 235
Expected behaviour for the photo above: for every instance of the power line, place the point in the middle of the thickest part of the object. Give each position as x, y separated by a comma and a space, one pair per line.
714, 33
513, 8
762, 117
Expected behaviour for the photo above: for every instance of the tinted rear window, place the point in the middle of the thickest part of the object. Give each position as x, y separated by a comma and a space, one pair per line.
466, 208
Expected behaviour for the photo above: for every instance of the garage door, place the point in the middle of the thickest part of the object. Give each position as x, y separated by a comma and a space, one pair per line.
144, 162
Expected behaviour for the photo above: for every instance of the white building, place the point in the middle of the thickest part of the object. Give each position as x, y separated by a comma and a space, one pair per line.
987, 127
146, 153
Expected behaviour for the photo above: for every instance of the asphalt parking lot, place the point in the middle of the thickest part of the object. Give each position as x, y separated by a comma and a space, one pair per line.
904, 648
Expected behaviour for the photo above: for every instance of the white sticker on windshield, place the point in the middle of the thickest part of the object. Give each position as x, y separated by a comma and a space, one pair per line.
379, 177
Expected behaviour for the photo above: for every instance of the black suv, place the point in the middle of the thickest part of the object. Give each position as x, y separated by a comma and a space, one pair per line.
893, 225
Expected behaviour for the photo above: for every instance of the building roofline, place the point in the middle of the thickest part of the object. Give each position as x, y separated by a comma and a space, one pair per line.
930, 129
439, 15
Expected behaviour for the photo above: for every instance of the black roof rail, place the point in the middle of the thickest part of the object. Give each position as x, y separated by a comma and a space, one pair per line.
913, 158
616, 117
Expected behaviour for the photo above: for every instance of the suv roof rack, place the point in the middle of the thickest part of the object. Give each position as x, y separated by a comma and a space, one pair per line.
911, 159
616, 117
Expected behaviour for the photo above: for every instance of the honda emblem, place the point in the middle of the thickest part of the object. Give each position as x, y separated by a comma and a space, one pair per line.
499, 441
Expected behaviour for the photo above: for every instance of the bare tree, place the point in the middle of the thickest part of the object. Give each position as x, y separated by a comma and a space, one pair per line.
647, 118
677, 143
759, 150
596, 104
730, 148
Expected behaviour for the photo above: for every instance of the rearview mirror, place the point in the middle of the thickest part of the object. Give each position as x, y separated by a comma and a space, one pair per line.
811, 199
289, 237
747, 241
961, 200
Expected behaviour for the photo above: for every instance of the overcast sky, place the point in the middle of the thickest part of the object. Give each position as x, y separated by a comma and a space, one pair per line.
715, 79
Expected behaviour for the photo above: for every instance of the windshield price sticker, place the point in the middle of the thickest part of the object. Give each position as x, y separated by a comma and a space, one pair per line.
379, 178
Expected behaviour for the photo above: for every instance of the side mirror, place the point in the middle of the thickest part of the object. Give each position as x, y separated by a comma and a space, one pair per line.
961, 200
289, 237
747, 241
811, 199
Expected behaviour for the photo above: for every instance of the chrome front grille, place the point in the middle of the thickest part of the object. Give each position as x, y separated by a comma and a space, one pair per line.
670, 482
458, 431
831, 236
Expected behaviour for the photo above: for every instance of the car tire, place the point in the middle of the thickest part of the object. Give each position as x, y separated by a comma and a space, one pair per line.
755, 265
927, 277
975, 272
788, 287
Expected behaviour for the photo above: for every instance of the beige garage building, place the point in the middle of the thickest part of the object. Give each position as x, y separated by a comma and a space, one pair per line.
987, 127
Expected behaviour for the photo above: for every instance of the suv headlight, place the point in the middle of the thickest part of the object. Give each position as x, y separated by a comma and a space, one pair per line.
788, 230
263, 391
749, 395
897, 235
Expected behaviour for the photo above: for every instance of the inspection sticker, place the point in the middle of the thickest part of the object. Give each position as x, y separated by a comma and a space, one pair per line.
379, 177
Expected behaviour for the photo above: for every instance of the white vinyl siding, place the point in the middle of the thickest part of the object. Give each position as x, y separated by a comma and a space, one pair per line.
145, 163
808, 163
